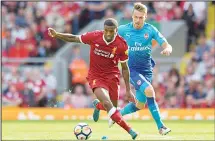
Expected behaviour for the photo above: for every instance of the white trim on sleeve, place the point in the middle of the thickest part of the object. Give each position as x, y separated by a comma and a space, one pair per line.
80, 39
124, 61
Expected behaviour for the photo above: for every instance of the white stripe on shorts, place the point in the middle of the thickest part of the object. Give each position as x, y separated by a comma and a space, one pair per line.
144, 79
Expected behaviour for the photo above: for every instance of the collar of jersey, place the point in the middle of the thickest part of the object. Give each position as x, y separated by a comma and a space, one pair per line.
107, 43
137, 29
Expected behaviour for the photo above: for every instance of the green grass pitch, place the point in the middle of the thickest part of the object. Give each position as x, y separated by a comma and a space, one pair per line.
63, 130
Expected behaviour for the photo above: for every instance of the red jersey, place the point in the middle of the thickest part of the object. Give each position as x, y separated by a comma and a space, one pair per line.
104, 56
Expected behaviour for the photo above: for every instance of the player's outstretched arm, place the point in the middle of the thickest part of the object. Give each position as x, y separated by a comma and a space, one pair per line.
167, 49
126, 76
64, 36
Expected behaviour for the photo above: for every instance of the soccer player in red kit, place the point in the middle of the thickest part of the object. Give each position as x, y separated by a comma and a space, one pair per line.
107, 48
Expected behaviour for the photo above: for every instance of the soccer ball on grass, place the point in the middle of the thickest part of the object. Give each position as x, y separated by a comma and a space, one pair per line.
82, 131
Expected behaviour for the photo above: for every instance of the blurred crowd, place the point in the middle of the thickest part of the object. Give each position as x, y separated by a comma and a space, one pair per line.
25, 24
24, 34
28, 87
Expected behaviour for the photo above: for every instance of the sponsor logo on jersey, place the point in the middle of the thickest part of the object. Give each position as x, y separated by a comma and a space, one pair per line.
105, 54
139, 47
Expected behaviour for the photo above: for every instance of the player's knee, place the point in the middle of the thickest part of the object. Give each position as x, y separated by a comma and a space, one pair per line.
107, 104
115, 103
140, 105
149, 91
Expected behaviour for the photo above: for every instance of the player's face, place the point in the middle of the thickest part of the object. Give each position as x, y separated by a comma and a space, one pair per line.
138, 19
109, 33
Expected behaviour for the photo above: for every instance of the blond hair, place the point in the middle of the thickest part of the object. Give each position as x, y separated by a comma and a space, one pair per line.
140, 7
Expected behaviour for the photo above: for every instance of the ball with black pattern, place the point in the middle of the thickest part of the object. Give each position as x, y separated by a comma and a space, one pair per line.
82, 131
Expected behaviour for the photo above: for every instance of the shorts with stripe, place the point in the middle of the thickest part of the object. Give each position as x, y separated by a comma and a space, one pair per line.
140, 83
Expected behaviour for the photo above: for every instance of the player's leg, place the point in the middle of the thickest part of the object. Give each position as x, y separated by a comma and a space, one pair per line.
114, 86
93, 82
154, 109
145, 92
103, 96
98, 106
133, 107
115, 102
137, 82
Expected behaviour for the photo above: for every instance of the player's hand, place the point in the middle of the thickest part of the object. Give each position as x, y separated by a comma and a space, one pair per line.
52, 32
167, 51
130, 96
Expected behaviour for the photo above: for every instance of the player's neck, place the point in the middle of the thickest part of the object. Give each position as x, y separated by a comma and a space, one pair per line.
107, 43
138, 28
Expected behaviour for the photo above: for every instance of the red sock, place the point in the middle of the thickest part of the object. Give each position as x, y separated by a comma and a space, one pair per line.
100, 106
117, 117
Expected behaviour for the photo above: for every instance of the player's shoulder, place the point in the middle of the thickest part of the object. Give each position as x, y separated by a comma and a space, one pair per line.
94, 33
122, 29
150, 26
98, 32
121, 41
125, 26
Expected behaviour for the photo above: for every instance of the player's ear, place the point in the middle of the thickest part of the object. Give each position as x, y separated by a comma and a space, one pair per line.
116, 31
145, 16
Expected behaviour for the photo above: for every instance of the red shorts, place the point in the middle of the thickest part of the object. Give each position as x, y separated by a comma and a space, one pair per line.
111, 85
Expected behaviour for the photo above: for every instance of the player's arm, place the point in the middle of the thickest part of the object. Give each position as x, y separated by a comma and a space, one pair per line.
64, 36
126, 75
167, 48
124, 64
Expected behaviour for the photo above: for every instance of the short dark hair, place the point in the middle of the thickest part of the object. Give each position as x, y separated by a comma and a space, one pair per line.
111, 22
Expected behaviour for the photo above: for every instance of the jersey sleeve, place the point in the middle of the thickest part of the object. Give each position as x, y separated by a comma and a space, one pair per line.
158, 36
88, 37
123, 55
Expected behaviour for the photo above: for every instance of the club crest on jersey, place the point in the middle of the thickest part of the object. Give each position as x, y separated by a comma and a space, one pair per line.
146, 35
94, 82
113, 52
139, 82
126, 52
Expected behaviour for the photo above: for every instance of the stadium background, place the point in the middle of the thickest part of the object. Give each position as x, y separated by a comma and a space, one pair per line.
44, 78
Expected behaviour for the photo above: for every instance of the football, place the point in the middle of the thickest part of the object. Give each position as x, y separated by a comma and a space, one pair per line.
82, 131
